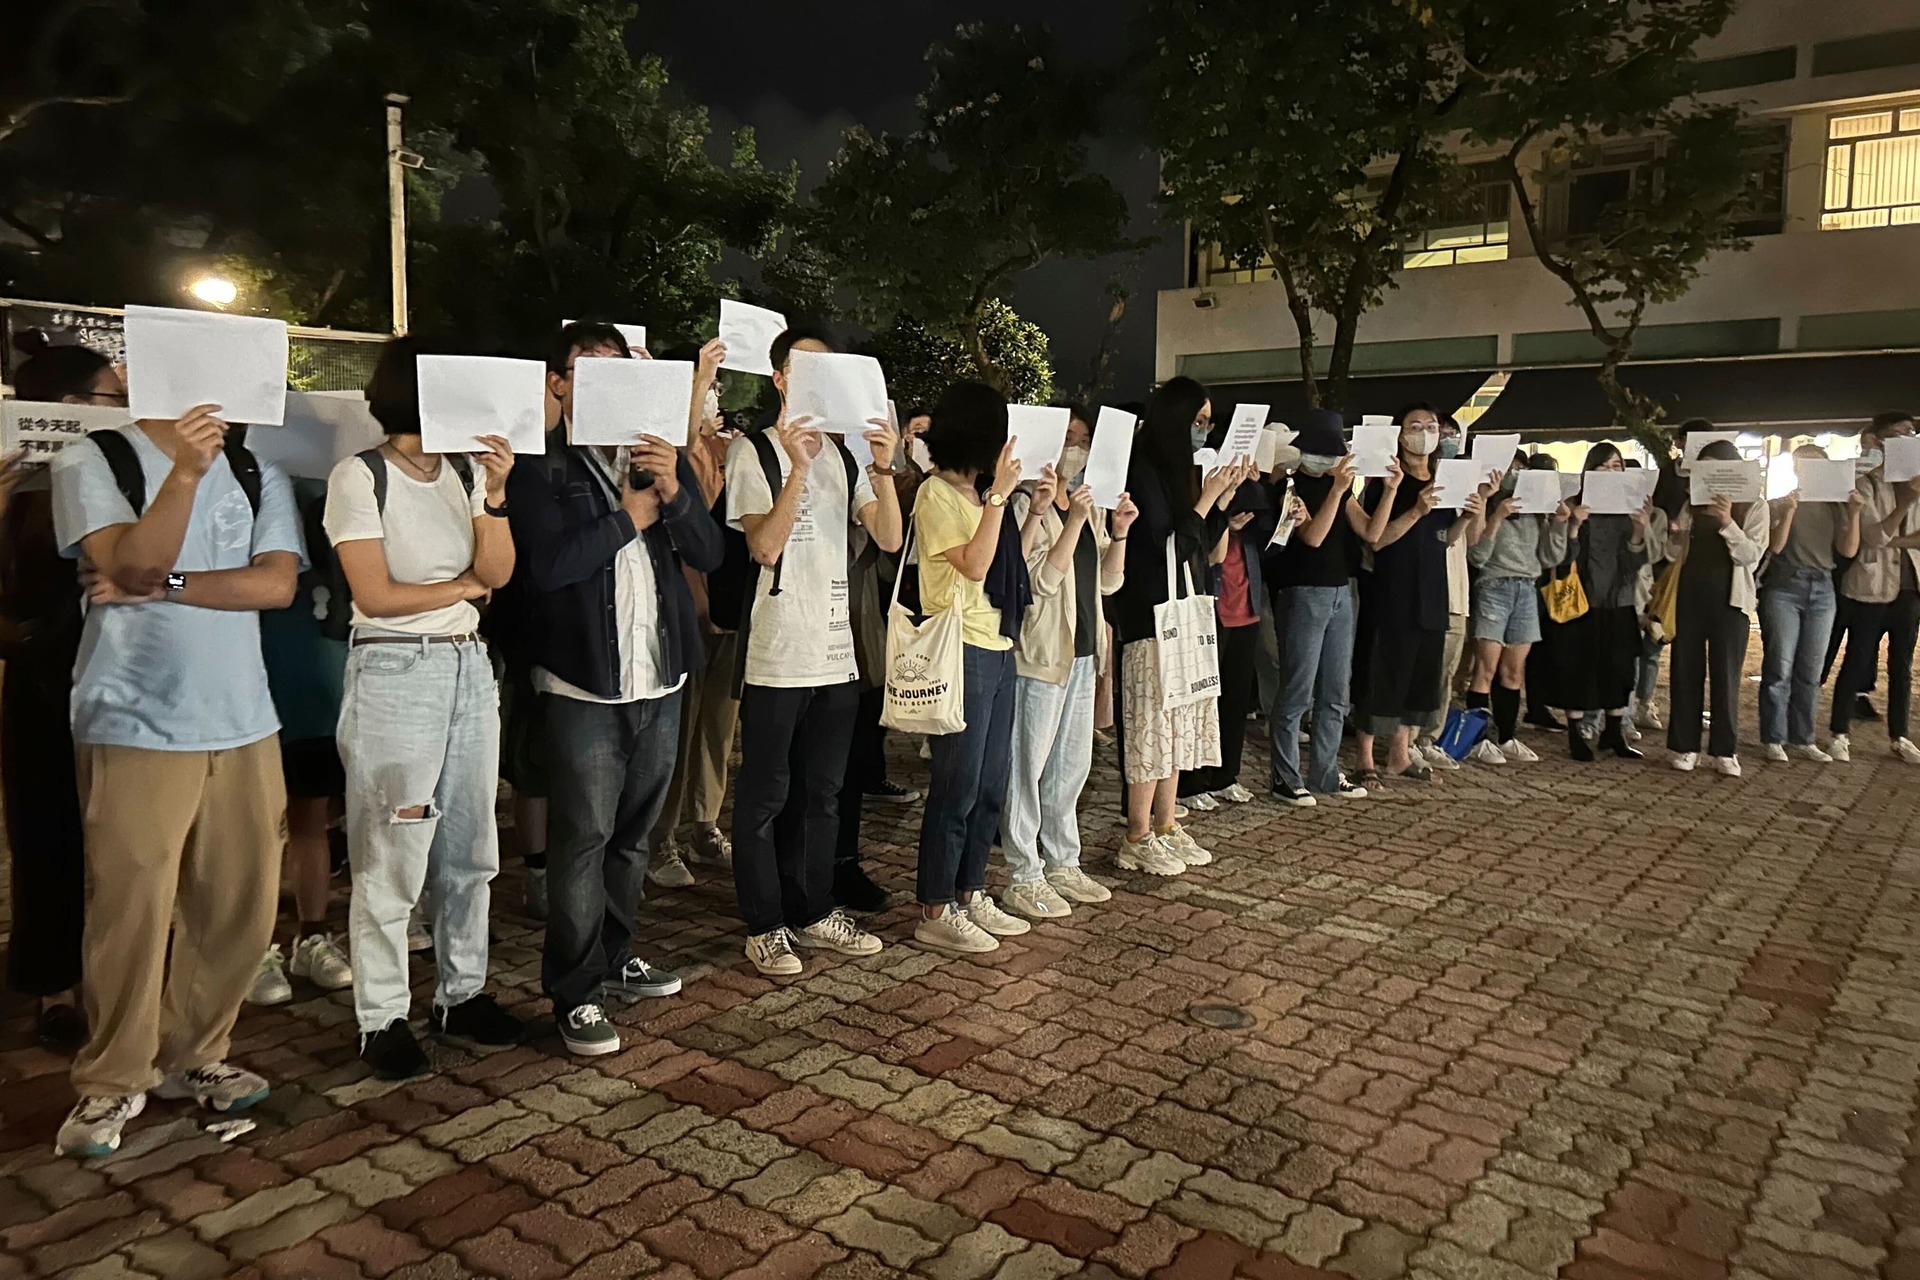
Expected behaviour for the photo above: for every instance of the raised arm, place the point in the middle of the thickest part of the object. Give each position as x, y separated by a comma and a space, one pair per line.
138, 556
881, 517
492, 538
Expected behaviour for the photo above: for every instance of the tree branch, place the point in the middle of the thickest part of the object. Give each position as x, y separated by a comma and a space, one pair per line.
27, 229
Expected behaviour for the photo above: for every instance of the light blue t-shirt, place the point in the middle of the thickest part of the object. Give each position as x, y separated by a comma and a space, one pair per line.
166, 676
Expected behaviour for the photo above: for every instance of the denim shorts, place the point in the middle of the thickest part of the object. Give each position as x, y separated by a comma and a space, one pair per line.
1506, 610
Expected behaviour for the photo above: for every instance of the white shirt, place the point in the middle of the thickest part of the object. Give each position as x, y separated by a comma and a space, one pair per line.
636, 609
426, 529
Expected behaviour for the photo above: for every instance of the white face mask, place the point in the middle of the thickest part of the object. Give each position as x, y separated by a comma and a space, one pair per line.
711, 409
1421, 443
1867, 461
1317, 464
1073, 464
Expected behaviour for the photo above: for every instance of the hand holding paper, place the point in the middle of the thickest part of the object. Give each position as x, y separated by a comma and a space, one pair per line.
177, 359
1611, 493
1824, 479
616, 401
1109, 455
1041, 433
1374, 445
1900, 455
463, 398
1243, 435
748, 332
1495, 453
1535, 493
843, 394
1735, 480
1454, 480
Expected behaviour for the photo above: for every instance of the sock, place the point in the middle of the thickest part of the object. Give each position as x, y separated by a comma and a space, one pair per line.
1506, 712
310, 928
1166, 830
536, 861
1478, 701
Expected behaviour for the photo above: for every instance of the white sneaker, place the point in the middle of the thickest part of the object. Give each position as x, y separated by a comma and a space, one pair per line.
1840, 750
1180, 811
986, 913
1075, 885
1037, 900
837, 932
1728, 765
1202, 803
1649, 715
1185, 847
1514, 749
1235, 794
668, 869
1150, 855
1486, 753
926, 749
419, 932
1904, 748
1776, 753
772, 954
216, 1086
93, 1127
1685, 761
270, 985
1433, 755
317, 959
1807, 751
954, 930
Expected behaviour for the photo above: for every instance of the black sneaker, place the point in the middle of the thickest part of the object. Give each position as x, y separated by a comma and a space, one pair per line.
892, 792
1298, 797
61, 1028
1863, 708
1545, 719
855, 890
393, 1053
479, 1019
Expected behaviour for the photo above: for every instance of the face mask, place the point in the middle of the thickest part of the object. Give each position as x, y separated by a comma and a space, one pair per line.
711, 409
1073, 464
1448, 447
1509, 482
1199, 437
1421, 443
1868, 461
1317, 464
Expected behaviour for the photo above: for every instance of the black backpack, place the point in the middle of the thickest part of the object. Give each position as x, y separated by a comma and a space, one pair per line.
131, 477
326, 575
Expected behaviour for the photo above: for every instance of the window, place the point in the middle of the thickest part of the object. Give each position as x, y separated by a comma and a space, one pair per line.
1212, 266
1763, 210
1473, 227
1873, 170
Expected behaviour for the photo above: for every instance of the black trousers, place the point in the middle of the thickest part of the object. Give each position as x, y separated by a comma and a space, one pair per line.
43, 825
786, 801
1238, 648
866, 770
1709, 658
1898, 621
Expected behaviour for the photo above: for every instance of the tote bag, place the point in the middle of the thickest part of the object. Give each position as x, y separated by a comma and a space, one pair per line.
1187, 645
926, 666
1564, 596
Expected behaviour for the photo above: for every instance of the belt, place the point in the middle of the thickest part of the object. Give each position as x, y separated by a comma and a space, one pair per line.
463, 638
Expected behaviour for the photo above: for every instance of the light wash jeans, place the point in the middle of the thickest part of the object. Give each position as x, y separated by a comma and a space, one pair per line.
1052, 755
1318, 667
419, 725
1796, 617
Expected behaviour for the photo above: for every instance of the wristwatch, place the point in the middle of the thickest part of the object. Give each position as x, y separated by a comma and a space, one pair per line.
176, 583
996, 499
492, 510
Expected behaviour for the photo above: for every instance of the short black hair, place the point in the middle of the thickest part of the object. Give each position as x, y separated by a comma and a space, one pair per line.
792, 337
393, 392
969, 428
918, 411
1891, 418
1695, 424
1418, 406
51, 373
1075, 410
581, 334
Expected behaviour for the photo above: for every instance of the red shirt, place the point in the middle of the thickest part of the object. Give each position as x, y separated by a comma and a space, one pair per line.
1235, 604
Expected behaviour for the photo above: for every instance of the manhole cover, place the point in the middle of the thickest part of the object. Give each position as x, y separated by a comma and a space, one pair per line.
1222, 1017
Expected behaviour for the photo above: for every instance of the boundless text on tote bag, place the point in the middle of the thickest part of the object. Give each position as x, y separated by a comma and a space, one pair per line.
1187, 645
926, 672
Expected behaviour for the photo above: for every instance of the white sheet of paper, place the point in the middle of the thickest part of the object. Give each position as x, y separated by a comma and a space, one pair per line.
1283, 532
1737, 481
465, 397
1375, 420
1611, 493
1648, 479
1039, 434
635, 334
1535, 493
45, 429
1824, 479
177, 359
748, 332
616, 401
1243, 434
1374, 446
1109, 455
841, 393
1901, 458
1206, 459
1454, 481
1495, 453
1569, 484
322, 427
1698, 440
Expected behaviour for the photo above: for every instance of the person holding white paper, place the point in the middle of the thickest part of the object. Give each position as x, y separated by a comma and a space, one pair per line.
607, 535
1510, 555
1717, 601
1459, 612
1882, 591
1797, 607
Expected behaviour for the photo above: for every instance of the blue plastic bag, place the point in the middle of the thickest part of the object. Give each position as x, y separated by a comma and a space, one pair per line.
1464, 728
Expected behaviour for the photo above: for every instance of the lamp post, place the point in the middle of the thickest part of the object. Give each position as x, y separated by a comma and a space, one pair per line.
397, 157
216, 291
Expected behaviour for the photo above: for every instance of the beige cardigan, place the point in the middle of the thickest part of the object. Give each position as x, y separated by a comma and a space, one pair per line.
1874, 576
1745, 545
1045, 648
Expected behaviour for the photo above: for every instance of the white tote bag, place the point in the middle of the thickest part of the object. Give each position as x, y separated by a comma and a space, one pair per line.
1186, 642
926, 666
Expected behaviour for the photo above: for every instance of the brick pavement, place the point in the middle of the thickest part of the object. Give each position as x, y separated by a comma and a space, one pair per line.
1604, 1023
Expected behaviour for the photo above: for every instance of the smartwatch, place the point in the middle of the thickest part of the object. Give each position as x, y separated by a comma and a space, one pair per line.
176, 583
492, 510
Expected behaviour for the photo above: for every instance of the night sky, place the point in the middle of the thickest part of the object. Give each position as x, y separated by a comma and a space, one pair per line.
801, 73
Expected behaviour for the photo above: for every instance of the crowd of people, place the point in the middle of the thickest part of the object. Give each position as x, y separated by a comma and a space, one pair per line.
209, 666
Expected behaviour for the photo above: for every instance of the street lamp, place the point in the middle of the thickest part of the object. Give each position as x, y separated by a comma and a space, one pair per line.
215, 290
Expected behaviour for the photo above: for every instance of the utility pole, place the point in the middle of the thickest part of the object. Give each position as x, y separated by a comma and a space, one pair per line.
397, 158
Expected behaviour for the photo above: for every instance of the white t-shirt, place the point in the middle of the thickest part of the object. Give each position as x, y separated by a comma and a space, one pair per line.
428, 531
803, 637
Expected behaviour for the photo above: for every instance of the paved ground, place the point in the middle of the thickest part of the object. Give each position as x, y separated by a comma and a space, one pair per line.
1606, 1023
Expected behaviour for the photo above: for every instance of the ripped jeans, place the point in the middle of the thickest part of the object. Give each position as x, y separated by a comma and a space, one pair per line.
420, 737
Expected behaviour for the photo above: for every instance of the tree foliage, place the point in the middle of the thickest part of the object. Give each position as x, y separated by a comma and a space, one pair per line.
933, 228
921, 364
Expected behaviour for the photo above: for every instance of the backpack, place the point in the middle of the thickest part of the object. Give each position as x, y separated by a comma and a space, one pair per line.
325, 579
131, 477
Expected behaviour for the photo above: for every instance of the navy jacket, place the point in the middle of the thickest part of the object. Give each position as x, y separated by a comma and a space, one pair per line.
567, 531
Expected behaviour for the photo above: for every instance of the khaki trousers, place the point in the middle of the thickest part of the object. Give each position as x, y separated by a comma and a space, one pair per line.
708, 715
183, 844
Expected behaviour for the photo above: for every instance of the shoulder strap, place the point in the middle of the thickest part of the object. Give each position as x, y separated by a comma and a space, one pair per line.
124, 463
463, 467
376, 462
764, 446
245, 467
853, 468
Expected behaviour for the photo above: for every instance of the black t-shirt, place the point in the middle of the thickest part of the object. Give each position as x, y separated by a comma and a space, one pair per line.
1331, 564
1086, 594
1409, 587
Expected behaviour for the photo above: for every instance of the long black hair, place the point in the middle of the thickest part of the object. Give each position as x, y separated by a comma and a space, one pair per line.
1164, 442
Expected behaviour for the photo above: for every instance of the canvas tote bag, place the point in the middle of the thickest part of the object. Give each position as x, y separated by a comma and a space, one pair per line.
1186, 642
926, 666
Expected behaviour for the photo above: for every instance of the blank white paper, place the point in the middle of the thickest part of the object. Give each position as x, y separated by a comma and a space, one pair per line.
1901, 458
841, 393
1243, 434
1611, 493
177, 359
1535, 493
1454, 481
465, 397
1374, 445
1039, 433
749, 332
1495, 453
1109, 455
635, 334
617, 401
1824, 480
1274, 438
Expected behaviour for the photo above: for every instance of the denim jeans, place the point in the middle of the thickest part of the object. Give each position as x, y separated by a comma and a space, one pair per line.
1052, 754
786, 801
419, 728
969, 787
1317, 647
611, 765
1796, 616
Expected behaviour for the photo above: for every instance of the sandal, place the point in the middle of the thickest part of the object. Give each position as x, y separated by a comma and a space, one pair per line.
1416, 772
1368, 777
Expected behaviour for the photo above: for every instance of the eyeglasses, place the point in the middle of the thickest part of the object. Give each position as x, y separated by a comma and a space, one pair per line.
117, 399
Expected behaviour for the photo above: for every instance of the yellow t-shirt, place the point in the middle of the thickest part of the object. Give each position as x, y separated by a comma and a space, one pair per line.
942, 520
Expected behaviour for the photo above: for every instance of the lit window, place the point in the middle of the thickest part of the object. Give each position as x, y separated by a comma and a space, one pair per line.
1873, 170
1472, 228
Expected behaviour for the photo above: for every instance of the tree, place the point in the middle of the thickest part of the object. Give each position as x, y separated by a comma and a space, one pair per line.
935, 227
922, 364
